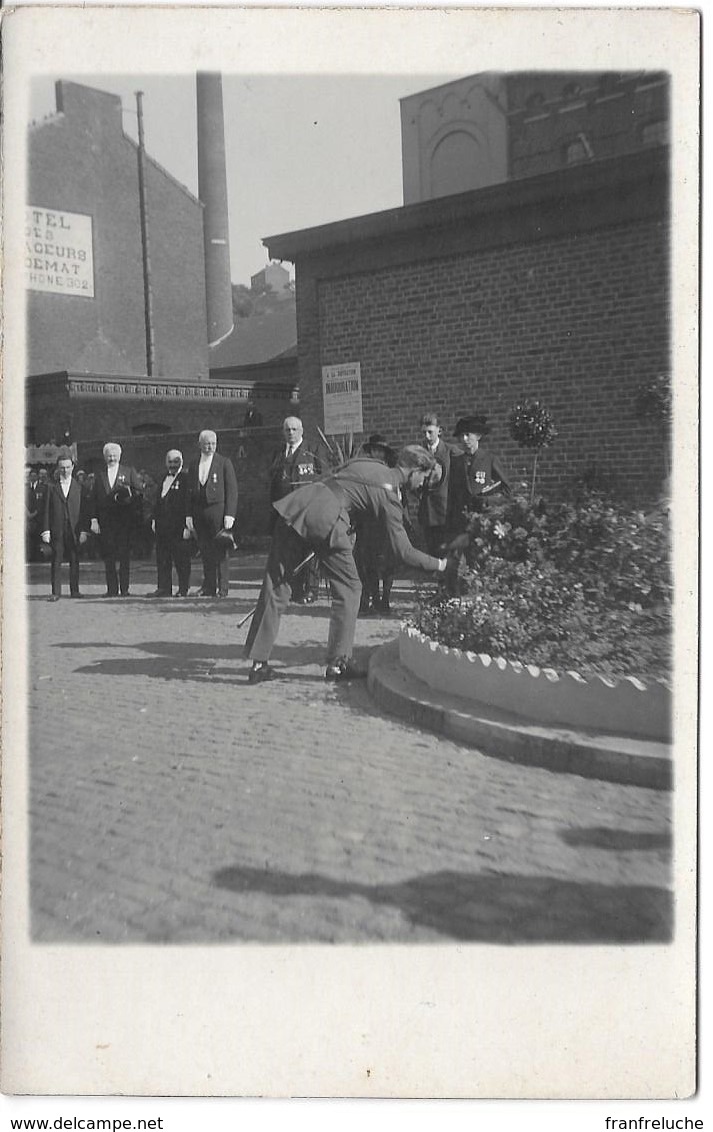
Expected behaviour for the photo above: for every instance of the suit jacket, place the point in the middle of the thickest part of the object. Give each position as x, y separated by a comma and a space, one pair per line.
470, 476
289, 472
321, 511
221, 492
103, 504
56, 511
433, 506
170, 510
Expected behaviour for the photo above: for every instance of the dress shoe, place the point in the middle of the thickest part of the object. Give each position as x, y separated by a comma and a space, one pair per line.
340, 670
260, 672
181, 594
54, 597
76, 595
160, 593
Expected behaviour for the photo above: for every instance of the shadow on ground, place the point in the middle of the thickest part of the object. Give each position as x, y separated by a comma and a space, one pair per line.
490, 909
618, 840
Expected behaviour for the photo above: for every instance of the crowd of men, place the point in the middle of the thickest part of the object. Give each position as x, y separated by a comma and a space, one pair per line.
348, 525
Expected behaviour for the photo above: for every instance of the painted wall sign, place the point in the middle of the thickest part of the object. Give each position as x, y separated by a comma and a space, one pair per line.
341, 394
59, 252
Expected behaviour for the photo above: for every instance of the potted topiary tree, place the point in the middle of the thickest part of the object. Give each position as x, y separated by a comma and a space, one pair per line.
532, 426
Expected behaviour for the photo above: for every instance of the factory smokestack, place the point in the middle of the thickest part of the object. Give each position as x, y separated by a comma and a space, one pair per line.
213, 191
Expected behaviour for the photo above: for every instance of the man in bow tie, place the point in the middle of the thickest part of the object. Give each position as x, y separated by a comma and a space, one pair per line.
173, 547
116, 495
212, 505
62, 526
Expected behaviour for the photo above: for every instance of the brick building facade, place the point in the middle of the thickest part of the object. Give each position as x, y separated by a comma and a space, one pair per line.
555, 287
493, 127
82, 164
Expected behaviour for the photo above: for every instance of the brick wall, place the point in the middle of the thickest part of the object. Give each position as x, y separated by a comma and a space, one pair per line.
81, 161
577, 317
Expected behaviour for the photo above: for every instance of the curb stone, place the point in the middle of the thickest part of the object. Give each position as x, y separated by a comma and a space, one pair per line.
635, 762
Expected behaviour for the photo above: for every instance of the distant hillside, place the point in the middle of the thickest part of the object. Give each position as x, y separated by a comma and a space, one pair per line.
265, 326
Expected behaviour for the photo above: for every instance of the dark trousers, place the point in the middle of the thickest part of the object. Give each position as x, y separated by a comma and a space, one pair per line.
116, 545
172, 550
65, 547
215, 559
434, 538
339, 568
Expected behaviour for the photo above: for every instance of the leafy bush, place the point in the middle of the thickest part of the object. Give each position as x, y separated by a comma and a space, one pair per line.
584, 586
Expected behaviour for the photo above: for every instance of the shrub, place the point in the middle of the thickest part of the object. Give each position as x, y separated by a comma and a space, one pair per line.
582, 586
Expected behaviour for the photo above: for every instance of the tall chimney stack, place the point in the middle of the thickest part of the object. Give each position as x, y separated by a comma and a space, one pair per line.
213, 191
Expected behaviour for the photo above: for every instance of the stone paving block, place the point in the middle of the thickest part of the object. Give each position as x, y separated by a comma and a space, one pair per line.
184, 806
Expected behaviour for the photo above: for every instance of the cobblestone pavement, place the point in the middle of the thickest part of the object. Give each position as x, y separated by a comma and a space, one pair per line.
172, 802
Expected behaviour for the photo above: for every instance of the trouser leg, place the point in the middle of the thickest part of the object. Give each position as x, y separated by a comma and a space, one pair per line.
56, 567
182, 559
274, 598
73, 555
345, 588
435, 538
222, 564
163, 564
109, 553
207, 548
124, 549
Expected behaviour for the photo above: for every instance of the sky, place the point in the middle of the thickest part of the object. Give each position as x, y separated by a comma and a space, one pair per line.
301, 150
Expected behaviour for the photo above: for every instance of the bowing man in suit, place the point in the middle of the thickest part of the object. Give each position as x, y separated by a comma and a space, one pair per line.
62, 526
116, 492
169, 526
212, 507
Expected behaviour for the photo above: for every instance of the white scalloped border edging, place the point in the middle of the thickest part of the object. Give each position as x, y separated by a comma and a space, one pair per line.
625, 706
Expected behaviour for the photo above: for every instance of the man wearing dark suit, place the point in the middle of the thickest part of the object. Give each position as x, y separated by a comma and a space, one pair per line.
292, 466
323, 514
211, 511
433, 504
115, 495
169, 526
62, 526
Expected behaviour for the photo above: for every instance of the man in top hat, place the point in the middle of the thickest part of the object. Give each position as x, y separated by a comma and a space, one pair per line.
322, 513
116, 494
292, 466
173, 546
475, 473
62, 526
433, 504
212, 504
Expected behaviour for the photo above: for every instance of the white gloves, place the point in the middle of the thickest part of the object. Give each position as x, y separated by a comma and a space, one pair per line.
45, 536
228, 522
95, 526
189, 523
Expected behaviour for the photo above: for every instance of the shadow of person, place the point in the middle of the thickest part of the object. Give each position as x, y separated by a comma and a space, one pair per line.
503, 909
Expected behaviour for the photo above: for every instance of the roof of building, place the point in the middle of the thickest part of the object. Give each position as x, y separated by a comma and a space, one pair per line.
565, 184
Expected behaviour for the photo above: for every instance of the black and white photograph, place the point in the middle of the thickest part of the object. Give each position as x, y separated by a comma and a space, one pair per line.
350, 583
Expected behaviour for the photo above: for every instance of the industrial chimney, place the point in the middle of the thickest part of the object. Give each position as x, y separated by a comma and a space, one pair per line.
213, 191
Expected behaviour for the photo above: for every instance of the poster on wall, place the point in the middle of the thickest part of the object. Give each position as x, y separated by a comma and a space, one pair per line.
58, 252
341, 395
